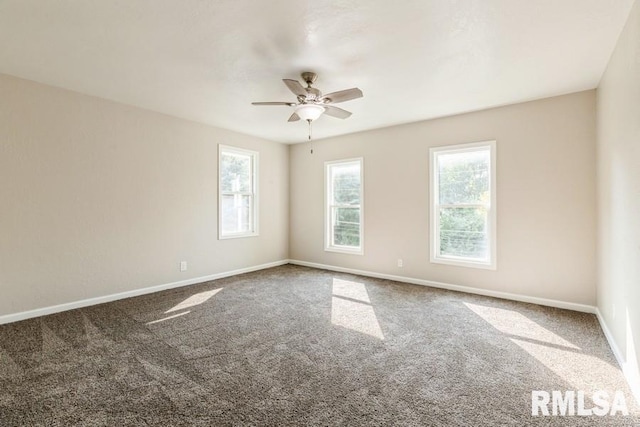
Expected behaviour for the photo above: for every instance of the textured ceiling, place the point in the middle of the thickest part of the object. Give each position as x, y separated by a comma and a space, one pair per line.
207, 60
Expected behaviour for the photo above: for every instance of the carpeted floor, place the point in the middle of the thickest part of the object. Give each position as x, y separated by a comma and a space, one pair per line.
299, 346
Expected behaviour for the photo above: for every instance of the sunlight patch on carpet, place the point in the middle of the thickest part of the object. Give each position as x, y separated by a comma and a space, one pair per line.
513, 323
169, 317
193, 300
580, 370
351, 308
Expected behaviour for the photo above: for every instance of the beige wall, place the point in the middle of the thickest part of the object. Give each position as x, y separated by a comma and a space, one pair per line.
545, 198
619, 196
100, 198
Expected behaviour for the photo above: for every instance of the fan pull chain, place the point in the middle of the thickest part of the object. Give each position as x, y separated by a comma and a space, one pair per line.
310, 135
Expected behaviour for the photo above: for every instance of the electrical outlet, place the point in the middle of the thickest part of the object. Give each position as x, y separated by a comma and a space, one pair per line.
183, 266
400, 263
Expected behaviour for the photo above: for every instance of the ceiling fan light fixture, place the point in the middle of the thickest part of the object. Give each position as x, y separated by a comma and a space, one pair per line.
309, 112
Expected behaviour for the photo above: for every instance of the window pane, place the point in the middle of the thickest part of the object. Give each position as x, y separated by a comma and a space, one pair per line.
463, 233
346, 226
236, 213
464, 177
235, 172
346, 184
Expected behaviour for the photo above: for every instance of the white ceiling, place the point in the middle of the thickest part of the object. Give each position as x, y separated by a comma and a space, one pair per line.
207, 60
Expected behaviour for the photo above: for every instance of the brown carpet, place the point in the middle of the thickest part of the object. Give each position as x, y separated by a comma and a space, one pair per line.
300, 346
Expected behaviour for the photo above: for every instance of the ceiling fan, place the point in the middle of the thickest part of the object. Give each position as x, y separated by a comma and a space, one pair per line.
312, 103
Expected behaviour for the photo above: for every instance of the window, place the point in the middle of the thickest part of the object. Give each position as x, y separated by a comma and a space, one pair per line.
463, 205
237, 205
343, 215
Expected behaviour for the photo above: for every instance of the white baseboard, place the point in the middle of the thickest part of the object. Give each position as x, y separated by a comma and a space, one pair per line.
629, 368
9, 318
496, 294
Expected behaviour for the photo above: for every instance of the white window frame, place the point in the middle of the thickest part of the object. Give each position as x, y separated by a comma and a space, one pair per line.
435, 206
253, 193
328, 198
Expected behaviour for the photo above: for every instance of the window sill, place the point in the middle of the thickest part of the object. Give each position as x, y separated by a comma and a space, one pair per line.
464, 263
237, 236
344, 250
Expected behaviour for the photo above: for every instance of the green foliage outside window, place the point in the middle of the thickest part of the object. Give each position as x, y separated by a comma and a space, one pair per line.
236, 199
346, 230
235, 172
346, 212
464, 180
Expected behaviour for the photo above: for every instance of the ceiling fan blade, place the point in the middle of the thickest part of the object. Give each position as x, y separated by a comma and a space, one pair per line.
290, 104
343, 95
295, 87
294, 118
332, 111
